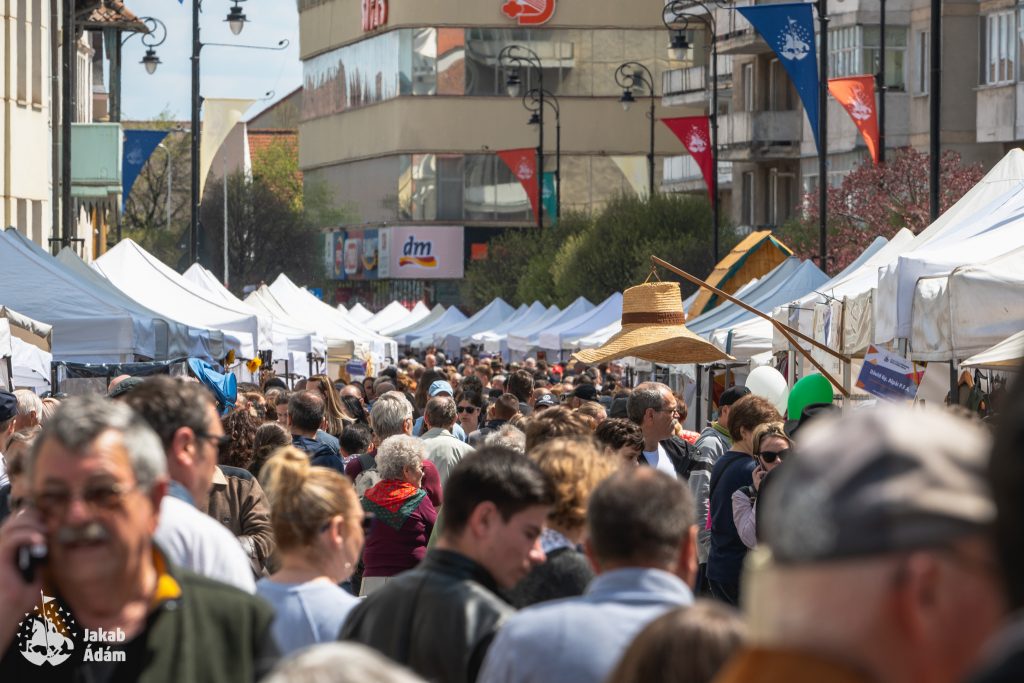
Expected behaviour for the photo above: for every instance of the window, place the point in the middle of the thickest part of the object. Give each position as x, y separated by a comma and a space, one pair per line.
781, 207
747, 210
21, 38
922, 64
748, 86
38, 36
780, 97
1000, 49
855, 51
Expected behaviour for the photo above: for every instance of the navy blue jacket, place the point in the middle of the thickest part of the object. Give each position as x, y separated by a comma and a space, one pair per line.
733, 471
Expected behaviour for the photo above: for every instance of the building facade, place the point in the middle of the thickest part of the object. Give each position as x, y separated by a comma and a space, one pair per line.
403, 112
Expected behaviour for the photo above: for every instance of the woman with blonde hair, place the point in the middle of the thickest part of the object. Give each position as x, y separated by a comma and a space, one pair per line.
334, 410
770, 448
576, 465
318, 524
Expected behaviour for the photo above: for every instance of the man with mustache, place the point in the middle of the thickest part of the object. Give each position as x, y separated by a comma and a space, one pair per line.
97, 475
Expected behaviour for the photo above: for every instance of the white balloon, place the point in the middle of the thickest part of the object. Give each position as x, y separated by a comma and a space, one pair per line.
769, 384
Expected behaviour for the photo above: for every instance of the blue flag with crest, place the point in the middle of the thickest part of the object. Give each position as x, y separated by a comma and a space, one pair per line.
789, 30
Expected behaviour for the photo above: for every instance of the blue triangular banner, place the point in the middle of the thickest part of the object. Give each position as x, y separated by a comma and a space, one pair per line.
138, 146
789, 30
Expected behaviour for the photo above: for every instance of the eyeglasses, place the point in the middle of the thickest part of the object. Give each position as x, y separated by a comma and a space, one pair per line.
466, 409
368, 518
674, 410
107, 496
772, 456
223, 443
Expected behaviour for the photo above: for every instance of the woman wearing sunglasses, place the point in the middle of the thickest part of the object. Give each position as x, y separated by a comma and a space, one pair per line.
771, 448
469, 408
318, 522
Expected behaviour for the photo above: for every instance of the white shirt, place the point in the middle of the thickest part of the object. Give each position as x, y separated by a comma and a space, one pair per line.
4, 481
197, 542
659, 460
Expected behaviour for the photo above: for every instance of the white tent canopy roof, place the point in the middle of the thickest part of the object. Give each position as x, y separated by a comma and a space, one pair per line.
394, 314
400, 330
358, 312
1005, 355
487, 317
87, 326
497, 342
566, 335
128, 266
522, 340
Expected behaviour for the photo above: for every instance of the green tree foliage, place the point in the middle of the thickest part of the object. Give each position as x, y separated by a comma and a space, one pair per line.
594, 256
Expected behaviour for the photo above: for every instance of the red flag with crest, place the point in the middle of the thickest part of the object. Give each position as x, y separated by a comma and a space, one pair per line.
695, 134
523, 164
857, 95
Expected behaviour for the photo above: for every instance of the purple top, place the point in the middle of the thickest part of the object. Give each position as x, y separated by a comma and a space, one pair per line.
390, 551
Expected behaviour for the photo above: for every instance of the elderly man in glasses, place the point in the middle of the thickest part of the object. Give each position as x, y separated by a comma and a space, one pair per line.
84, 591
184, 417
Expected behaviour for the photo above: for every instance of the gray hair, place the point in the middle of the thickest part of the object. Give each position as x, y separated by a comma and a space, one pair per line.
388, 415
644, 396
398, 453
440, 412
28, 402
339, 663
507, 436
80, 420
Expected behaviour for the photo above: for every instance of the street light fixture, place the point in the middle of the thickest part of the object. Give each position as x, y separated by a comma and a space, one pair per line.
635, 75
679, 46
533, 102
514, 58
236, 18
150, 61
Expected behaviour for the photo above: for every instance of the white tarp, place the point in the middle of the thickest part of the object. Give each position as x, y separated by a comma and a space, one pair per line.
450, 319
566, 336
334, 325
496, 341
397, 314
149, 281
997, 199
969, 310
1006, 355
525, 315
487, 317
30, 366
403, 327
522, 340
359, 313
87, 328
285, 337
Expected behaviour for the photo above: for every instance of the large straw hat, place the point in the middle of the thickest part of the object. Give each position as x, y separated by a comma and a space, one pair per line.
653, 329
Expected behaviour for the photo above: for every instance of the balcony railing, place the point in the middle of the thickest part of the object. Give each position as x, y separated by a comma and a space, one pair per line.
762, 128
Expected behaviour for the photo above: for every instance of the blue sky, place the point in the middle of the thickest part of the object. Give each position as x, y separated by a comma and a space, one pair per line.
225, 72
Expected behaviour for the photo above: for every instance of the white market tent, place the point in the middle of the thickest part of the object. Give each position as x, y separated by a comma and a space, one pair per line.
449, 319
525, 315
335, 326
497, 341
523, 340
395, 314
87, 327
566, 335
404, 326
996, 200
1006, 355
969, 310
26, 343
181, 340
286, 337
359, 313
487, 317
146, 279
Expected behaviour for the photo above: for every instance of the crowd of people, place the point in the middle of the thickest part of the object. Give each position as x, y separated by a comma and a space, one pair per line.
465, 520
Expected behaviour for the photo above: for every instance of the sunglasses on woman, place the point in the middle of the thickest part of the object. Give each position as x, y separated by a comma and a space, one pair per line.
467, 409
771, 456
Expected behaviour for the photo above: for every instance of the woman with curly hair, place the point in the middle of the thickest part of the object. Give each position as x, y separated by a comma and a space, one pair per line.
576, 465
241, 426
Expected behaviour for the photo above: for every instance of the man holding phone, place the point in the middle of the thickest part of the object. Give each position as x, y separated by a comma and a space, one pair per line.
97, 475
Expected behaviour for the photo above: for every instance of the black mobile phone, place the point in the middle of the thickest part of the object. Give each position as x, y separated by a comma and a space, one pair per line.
29, 559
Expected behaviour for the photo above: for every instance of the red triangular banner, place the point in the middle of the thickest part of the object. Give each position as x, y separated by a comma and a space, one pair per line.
523, 164
695, 134
857, 95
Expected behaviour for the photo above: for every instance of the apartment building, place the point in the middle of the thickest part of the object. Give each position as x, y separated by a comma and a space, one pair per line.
765, 140
403, 112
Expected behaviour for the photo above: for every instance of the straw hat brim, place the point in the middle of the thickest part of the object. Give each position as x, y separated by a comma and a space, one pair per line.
668, 344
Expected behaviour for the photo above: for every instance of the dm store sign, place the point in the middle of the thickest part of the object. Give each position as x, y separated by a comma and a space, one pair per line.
425, 253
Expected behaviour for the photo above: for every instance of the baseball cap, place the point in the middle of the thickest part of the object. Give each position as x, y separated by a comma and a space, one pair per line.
8, 406
731, 395
810, 412
439, 387
124, 386
879, 481
546, 401
586, 392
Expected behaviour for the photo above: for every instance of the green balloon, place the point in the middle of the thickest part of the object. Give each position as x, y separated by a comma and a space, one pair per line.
811, 389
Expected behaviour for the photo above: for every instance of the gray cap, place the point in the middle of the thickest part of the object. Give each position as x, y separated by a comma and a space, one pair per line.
879, 481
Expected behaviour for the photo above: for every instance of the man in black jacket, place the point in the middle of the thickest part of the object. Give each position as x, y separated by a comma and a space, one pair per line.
440, 618
654, 408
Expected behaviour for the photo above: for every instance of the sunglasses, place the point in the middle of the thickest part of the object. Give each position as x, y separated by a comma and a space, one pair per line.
467, 409
368, 518
223, 442
772, 456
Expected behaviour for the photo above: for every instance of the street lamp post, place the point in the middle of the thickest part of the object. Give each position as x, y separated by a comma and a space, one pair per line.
677, 17
635, 75
513, 58
533, 101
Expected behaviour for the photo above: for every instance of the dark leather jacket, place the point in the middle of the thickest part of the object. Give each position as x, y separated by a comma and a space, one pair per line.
438, 619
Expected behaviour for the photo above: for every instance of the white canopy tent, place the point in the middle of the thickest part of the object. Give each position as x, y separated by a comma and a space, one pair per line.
1006, 355
565, 337
358, 313
969, 310
487, 317
523, 340
146, 279
450, 318
497, 341
525, 315
26, 343
335, 326
404, 326
87, 327
395, 313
